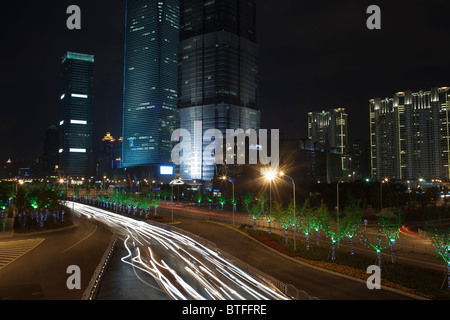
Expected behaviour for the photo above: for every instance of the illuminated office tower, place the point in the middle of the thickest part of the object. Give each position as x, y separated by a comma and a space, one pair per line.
218, 73
150, 82
76, 110
329, 128
409, 135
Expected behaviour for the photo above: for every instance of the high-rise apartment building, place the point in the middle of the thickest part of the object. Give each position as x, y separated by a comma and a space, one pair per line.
329, 128
218, 73
150, 81
410, 135
76, 115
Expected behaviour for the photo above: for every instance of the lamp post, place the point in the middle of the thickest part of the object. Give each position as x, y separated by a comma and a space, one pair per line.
232, 182
270, 176
381, 192
295, 224
337, 199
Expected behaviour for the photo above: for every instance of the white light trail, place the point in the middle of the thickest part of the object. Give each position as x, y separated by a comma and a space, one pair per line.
189, 271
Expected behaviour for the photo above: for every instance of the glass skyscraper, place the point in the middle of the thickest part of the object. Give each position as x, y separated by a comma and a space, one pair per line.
218, 73
410, 135
150, 81
76, 115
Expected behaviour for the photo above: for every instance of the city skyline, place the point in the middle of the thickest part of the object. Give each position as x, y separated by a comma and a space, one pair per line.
134, 148
328, 49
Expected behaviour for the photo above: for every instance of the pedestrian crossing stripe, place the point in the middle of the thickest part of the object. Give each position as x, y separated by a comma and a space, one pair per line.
12, 250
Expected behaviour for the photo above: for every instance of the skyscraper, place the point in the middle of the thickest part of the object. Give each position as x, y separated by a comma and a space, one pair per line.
410, 135
218, 73
150, 82
329, 128
76, 110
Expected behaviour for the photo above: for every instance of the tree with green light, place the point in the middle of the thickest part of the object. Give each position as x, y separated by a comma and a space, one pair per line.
334, 229
221, 201
439, 234
247, 198
305, 221
391, 223
352, 221
376, 243
320, 215
156, 202
284, 216
255, 211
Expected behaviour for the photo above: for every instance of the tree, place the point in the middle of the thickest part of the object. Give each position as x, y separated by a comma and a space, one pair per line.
284, 217
391, 223
439, 235
352, 221
165, 193
199, 199
333, 228
262, 201
156, 202
221, 200
376, 244
22, 202
209, 199
319, 217
306, 221
255, 211
247, 199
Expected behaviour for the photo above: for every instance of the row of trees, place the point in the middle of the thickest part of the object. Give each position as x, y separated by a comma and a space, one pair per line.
319, 220
131, 203
36, 205
308, 220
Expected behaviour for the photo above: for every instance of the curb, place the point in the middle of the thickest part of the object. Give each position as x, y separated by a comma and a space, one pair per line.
411, 295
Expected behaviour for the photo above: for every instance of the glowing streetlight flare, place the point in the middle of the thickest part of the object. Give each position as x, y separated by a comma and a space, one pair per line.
270, 175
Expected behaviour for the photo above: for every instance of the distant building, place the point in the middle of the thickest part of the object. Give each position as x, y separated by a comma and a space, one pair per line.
329, 128
76, 115
110, 157
359, 160
410, 135
310, 162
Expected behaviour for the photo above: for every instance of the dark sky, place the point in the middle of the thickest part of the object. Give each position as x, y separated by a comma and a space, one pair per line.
314, 55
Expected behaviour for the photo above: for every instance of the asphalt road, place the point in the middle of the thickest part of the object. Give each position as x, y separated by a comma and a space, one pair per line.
36, 264
317, 283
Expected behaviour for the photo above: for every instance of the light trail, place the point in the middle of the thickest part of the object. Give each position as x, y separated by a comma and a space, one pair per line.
183, 268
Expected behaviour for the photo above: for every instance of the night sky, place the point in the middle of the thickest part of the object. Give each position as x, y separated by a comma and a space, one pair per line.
313, 56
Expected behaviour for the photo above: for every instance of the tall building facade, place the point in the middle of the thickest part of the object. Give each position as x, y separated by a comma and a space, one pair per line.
150, 81
410, 135
218, 73
76, 115
329, 128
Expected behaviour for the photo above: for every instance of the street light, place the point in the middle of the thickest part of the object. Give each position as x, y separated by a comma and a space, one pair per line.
270, 176
381, 192
232, 182
337, 199
295, 225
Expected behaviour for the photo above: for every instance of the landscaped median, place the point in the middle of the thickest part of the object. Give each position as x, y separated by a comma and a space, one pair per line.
417, 281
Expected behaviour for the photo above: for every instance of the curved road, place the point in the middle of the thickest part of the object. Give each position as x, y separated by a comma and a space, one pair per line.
182, 267
35, 265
